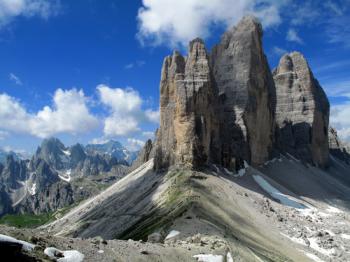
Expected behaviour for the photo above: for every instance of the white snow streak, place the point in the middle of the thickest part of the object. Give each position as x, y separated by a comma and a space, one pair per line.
68, 256
209, 258
25, 245
173, 233
32, 190
66, 177
276, 194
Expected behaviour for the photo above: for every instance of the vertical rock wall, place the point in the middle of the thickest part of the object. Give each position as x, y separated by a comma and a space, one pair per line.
247, 94
302, 111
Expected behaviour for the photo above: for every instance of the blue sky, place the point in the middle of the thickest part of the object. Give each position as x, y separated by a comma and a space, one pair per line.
88, 70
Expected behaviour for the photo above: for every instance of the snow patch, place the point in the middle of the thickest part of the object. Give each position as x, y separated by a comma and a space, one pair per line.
242, 171
276, 194
217, 169
209, 258
270, 161
68, 256
172, 233
32, 189
227, 171
66, 152
313, 257
316, 247
25, 245
66, 176
229, 257
345, 236
334, 210
293, 158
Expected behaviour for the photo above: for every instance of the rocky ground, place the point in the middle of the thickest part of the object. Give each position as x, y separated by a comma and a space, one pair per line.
254, 215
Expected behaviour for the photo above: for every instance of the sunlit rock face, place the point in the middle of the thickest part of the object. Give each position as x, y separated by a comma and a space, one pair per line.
187, 103
302, 111
247, 95
227, 107
219, 107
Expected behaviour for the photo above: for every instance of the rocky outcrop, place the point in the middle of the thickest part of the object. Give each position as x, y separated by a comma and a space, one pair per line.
146, 153
247, 95
302, 111
337, 148
218, 109
187, 102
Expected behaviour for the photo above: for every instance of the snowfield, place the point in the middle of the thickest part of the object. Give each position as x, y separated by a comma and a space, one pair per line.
276, 194
25, 245
68, 256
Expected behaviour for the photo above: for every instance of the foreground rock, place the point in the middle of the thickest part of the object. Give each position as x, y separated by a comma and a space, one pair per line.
302, 111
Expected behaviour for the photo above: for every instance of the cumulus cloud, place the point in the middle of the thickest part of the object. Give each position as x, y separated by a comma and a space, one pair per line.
292, 36
125, 111
68, 114
15, 79
340, 119
148, 134
10, 9
167, 21
134, 144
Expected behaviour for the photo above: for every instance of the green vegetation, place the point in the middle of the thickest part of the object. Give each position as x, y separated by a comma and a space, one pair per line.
26, 220
33, 220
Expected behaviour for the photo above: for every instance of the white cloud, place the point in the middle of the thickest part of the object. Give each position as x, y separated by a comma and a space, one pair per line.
152, 116
337, 10
126, 113
68, 114
292, 36
148, 134
304, 13
15, 79
167, 21
3, 134
138, 63
134, 144
337, 87
10, 9
279, 51
340, 119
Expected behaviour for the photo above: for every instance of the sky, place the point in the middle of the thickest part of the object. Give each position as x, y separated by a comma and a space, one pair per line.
88, 70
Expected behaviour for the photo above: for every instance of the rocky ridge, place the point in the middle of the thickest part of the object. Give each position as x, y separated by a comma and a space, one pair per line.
55, 177
227, 107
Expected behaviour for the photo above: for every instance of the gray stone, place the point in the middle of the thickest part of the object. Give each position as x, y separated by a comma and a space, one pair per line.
302, 111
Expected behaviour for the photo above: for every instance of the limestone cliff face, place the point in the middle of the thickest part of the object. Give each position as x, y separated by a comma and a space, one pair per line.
302, 111
227, 107
247, 95
186, 109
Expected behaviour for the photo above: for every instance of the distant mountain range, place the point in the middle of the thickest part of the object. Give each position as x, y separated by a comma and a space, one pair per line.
57, 176
4, 154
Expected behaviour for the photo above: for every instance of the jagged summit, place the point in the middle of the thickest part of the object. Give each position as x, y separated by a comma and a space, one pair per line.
302, 111
217, 107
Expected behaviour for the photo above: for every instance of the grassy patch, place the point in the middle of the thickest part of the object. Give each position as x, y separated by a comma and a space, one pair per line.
26, 220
